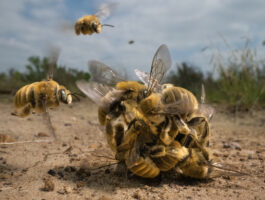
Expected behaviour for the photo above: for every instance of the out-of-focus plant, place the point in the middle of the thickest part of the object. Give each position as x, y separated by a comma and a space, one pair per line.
36, 70
186, 76
241, 80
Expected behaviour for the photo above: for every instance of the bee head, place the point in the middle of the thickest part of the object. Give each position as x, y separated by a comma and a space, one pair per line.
133, 89
96, 26
65, 95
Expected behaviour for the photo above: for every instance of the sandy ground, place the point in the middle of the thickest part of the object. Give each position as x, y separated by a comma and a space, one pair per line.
70, 165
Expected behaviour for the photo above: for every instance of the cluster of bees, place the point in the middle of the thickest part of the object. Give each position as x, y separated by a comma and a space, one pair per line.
151, 127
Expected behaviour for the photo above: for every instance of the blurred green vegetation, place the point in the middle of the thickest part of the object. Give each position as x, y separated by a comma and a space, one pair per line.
239, 82
37, 70
238, 79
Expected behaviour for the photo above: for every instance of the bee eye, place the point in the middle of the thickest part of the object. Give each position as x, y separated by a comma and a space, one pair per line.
94, 25
63, 96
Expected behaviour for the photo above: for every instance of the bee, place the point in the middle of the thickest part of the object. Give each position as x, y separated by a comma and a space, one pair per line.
90, 24
112, 94
183, 140
39, 96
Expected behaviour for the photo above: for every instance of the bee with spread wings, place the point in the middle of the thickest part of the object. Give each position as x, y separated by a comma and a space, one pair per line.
90, 24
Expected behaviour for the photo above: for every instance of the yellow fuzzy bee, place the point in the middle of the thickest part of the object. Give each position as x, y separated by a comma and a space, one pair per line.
39, 96
90, 24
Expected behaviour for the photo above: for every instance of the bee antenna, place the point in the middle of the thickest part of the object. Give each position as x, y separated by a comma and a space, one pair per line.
108, 25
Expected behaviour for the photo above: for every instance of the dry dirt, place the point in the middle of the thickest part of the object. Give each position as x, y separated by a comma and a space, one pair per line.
68, 168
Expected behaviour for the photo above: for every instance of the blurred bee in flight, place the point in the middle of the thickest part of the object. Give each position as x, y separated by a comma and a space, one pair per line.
90, 24
39, 96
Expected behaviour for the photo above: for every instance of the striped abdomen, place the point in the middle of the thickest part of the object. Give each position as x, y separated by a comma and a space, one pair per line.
37, 96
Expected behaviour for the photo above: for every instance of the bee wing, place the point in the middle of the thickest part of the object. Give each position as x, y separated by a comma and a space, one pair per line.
53, 56
66, 27
225, 169
144, 77
160, 64
205, 109
105, 10
175, 108
95, 91
102, 73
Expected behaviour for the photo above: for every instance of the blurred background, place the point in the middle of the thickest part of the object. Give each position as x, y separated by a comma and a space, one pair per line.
218, 43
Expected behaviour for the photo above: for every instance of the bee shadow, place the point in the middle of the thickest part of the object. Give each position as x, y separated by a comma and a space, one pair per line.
108, 179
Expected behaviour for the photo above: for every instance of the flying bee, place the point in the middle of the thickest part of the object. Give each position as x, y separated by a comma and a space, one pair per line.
90, 24
39, 96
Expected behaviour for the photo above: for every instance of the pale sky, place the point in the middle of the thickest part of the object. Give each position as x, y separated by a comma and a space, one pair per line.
29, 27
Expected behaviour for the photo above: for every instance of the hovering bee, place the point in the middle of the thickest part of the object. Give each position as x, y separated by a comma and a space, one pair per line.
90, 24
39, 96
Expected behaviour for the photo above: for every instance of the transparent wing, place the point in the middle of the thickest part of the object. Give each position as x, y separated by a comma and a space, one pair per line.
143, 76
95, 91
53, 56
105, 10
160, 64
179, 108
225, 169
102, 73
205, 109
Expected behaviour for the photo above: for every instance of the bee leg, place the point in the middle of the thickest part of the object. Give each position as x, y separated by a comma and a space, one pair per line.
125, 119
110, 134
130, 136
182, 126
195, 165
139, 165
25, 111
165, 137
204, 139
173, 154
201, 125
